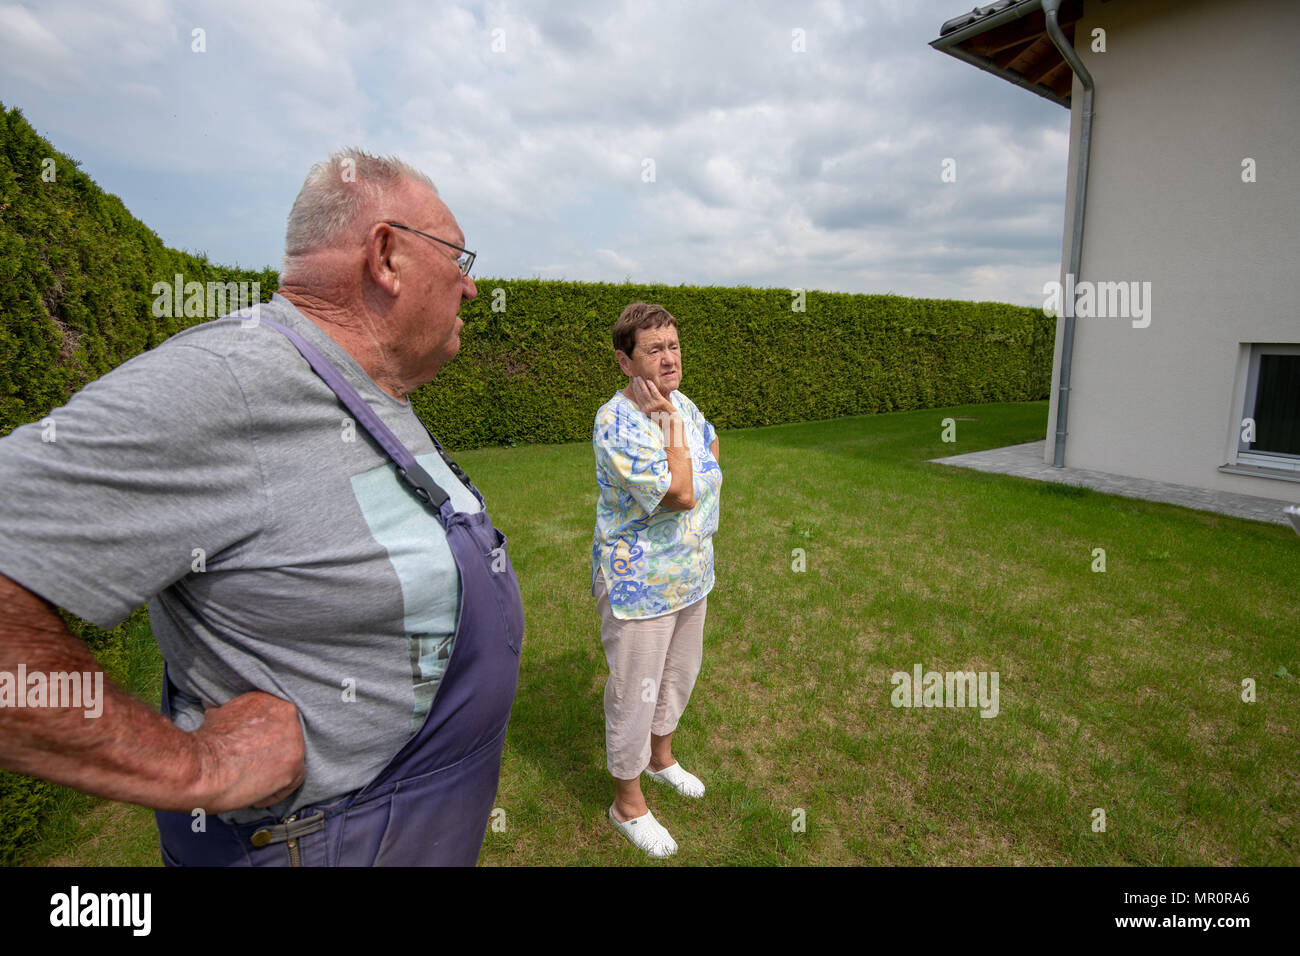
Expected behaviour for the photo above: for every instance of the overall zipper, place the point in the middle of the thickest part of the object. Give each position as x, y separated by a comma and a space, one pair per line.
292, 844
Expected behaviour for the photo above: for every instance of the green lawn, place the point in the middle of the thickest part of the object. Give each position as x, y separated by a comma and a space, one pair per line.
1119, 691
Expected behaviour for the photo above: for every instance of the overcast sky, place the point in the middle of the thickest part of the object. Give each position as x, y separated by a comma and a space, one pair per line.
773, 166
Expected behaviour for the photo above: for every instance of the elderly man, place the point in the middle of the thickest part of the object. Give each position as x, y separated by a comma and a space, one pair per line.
339, 619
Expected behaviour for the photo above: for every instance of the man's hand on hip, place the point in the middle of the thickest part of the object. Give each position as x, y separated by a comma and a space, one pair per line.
251, 752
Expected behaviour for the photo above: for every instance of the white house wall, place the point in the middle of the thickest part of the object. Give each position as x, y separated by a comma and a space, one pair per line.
1186, 90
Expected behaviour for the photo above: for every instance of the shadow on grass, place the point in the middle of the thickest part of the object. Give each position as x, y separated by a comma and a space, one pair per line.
558, 723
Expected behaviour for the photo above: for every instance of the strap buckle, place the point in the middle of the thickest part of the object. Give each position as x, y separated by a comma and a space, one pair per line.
422, 485
414, 486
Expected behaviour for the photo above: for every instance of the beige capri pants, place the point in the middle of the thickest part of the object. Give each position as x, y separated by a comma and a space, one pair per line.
653, 664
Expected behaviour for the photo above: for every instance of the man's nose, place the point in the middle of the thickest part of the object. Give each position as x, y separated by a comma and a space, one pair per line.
473, 289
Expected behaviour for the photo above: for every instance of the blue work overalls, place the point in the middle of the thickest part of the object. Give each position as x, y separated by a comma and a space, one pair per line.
431, 804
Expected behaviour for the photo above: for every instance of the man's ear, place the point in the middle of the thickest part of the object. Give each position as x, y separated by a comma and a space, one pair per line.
380, 247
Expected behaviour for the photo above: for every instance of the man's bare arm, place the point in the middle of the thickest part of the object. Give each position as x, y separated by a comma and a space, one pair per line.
249, 752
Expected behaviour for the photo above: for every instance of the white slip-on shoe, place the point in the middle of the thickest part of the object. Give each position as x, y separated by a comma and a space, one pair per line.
645, 833
683, 781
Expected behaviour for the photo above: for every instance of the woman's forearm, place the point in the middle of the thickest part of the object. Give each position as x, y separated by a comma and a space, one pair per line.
681, 491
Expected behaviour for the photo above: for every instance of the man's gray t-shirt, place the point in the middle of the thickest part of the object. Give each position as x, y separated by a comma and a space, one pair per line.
219, 478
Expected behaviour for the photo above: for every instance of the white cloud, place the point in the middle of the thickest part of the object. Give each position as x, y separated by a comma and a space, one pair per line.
30, 49
612, 259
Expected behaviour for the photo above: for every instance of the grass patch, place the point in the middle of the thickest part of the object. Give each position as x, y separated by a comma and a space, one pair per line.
1119, 691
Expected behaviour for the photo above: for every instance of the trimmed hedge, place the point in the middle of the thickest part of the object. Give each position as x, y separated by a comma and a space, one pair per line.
536, 370
77, 273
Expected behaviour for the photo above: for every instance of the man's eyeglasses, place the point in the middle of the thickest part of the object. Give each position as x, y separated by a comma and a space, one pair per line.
466, 260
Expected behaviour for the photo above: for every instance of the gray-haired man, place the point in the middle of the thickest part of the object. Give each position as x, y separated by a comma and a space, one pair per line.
341, 635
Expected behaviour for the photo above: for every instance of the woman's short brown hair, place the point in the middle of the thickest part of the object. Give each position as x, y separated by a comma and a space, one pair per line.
639, 315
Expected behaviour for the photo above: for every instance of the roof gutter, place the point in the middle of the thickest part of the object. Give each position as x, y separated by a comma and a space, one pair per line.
1050, 10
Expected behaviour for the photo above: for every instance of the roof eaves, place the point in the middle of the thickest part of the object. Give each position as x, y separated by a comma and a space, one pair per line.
960, 29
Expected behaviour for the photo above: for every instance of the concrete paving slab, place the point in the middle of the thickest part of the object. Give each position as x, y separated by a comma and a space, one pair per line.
1026, 461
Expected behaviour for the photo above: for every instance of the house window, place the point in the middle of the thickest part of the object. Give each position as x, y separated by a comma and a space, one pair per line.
1273, 402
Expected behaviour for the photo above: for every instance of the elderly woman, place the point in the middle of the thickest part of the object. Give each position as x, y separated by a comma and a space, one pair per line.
652, 564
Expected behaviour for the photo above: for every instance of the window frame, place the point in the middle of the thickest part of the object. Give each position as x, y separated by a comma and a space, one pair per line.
1243, 453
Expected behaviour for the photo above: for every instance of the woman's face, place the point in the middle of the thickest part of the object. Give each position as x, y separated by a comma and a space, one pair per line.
656, 357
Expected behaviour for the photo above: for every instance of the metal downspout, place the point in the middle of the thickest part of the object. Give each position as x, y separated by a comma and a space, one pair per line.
1050, 10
